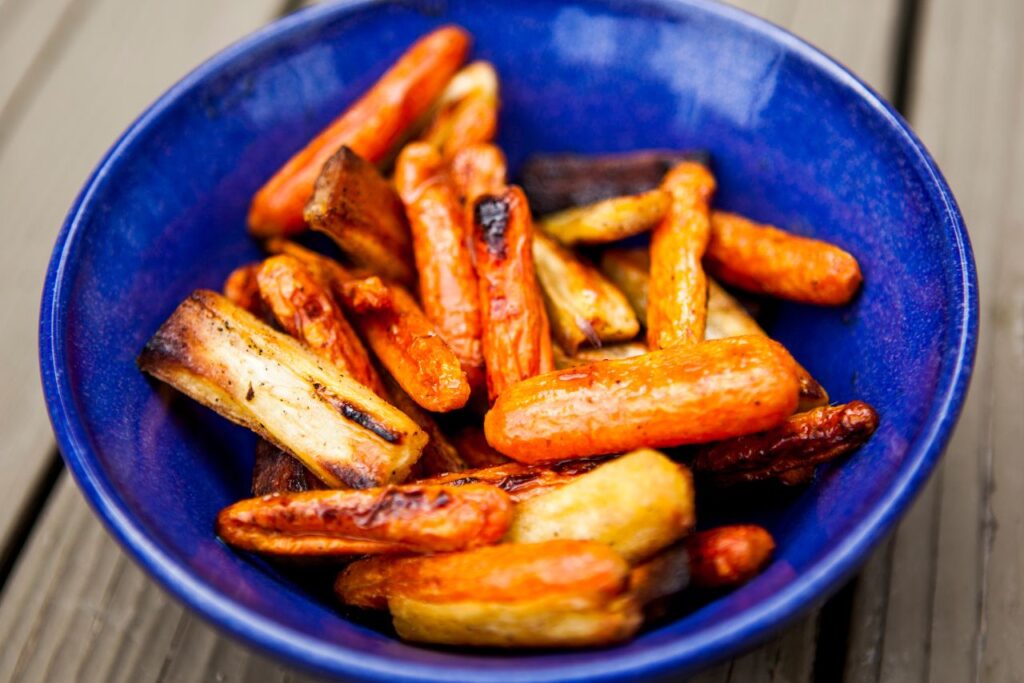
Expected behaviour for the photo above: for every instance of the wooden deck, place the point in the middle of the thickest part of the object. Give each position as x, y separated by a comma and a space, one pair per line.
942, 600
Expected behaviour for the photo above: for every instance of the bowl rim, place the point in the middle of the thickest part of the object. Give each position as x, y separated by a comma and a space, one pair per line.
688, 653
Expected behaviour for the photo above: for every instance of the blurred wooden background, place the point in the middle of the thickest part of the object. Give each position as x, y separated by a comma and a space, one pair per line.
942, 600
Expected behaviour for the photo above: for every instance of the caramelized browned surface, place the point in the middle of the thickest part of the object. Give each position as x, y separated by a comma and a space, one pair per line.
608, 220
516, 336
358, 209
663, 575
371, 127
502, 573
225, 358
473, 447
274, 471
403, 518
763, 259
439, 455
690, 394
467, 111
520, 482
448, 287
242, 289
678, 290
804, 439
305, 308
407, 343
728, 555
477, 170
560, 181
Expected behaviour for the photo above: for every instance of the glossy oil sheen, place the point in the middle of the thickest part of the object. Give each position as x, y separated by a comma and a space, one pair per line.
796, 141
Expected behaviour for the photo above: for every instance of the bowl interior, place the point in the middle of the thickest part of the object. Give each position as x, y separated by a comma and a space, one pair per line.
795, 141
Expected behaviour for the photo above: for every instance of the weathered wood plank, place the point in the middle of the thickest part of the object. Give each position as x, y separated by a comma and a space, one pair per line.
109, 59
27, 28
952, 607
76, 598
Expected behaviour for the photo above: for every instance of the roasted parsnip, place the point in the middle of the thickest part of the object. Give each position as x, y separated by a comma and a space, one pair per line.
583, 307
392, 519
690, 394
357, 208
559, 181
467, 111
448, 285
587, 356
728, 555
608, 220
663, 575
408, 345
520, 482
516, 335
629, 268
371, 127
646, 504
305, 308
678, 290
229, 361
274, 471
766, 260
555, 594
478, 170
804, 439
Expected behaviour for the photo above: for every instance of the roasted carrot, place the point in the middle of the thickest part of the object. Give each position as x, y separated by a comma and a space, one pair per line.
478, 170
242, 289
766, 260
560, 181
408, 345
521, 482
448, 285
371, 127
516, 335
325, 269
803, 440
728, 555
467, 111
677, 298
684, 395
358, 209
305, 309
391, 519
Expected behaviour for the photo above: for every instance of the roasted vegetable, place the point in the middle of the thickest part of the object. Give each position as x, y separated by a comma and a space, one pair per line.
467, 111
242, 289
474, 449
370, 127
728, 555
305, 308
555, 594
229, 361
691, 394
638, 504
274, 471
407, 343
663, 575
392, 519
804, 439
358, 209
439, 455
478, 170
587, 356
766, 260
444, 259
678, 290
608, 220
628, 268
516, 336
582, 305
559, 181
520, 482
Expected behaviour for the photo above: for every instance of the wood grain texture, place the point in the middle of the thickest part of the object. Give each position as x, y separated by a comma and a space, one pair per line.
76, 608
948, 607
105, 61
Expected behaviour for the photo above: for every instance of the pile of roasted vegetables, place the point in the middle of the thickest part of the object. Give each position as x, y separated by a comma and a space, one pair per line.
554, 524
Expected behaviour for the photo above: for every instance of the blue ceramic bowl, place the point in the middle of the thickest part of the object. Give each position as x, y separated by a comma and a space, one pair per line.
796, 140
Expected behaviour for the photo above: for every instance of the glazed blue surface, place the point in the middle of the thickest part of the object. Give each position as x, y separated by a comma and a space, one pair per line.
796, 140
